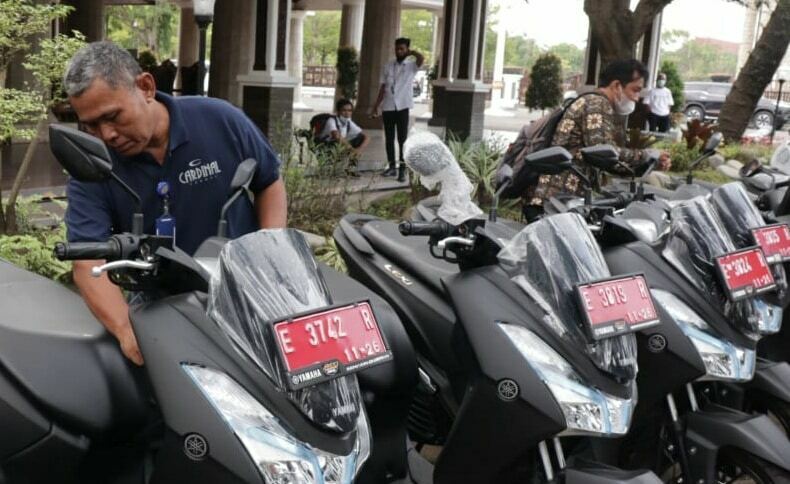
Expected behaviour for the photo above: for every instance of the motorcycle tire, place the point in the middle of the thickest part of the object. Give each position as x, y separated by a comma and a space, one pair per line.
738, 466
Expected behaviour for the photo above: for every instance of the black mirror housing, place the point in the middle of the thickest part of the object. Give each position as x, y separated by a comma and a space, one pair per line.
604, 157
713, 143
503, 174
85, 157
550, 161
244, 173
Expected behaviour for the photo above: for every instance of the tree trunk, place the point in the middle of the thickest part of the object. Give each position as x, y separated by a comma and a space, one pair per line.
11, 226
755, 75
616, 29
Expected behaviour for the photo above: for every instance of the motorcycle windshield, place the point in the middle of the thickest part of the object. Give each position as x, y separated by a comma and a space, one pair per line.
740, 215
547, 259
264, 277
697, 235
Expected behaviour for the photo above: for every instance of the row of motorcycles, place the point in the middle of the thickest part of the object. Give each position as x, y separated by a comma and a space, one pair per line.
628, 336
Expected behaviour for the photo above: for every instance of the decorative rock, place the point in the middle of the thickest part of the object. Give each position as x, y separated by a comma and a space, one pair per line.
729, 171
715, 161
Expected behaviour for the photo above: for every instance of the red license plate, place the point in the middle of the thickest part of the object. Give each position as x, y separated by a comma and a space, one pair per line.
329, 344
617, 306
745, 273
775, 242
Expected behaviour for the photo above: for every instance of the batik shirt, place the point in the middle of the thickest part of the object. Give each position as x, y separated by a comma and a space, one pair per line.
589, 121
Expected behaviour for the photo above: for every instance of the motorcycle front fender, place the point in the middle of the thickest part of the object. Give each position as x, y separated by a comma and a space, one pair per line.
595, 473
716, 427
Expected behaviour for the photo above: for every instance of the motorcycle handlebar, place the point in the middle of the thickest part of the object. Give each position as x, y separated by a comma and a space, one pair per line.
618, 202
423, 228
87, 250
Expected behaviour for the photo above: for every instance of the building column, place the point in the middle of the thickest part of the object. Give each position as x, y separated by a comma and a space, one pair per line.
232, 45
380, 29
87, 17
188, 38
267, 88
465, 92
444, 56
296, 55
498, 87
351, 22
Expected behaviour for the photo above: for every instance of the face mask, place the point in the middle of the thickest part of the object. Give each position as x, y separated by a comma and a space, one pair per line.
623, 105
661, 83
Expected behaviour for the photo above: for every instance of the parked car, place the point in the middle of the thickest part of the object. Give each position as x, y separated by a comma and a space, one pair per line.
705, 99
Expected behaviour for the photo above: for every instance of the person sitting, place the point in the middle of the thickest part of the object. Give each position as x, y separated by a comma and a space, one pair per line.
340, 129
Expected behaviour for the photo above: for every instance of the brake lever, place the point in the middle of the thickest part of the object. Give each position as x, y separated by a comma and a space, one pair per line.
97, 271
442, 244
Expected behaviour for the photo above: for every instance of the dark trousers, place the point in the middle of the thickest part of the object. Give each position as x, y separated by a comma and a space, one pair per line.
392, 119
658, 123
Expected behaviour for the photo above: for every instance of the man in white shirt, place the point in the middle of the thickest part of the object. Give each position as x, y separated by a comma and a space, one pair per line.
395, 100
659, 101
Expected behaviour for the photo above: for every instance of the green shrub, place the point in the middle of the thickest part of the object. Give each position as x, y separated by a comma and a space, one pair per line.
394, 207
33, 251
674, 84
347, 72
746, 153
329, 255
545, 83
479, 160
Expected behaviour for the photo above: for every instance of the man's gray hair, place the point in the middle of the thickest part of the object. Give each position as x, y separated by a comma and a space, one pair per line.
100, 60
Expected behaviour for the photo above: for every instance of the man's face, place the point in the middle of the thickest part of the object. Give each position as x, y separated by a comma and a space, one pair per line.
118, 116
633, 88
346, 111
401, 51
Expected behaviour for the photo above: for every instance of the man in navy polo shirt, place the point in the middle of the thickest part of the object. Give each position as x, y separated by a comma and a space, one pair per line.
193, 144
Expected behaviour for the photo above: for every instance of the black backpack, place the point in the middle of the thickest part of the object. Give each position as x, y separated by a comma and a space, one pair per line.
317, 124
533, 137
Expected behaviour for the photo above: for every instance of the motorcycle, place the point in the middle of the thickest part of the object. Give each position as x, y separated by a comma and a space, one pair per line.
255, 357
507, 378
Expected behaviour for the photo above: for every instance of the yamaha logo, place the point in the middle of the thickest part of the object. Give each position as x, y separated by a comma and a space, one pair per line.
195, 447
656, 343
507, 390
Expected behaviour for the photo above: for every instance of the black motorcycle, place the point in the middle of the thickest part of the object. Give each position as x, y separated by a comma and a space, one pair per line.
254, 359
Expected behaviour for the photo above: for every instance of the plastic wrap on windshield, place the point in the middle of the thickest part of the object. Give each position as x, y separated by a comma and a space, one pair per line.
262, 278
430, 158
739, 215
696, 237
547, 259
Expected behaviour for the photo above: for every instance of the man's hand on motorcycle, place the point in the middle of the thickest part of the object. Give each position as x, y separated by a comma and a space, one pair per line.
129, 346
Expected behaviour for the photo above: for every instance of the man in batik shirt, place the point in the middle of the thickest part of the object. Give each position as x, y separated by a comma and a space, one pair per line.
593, 119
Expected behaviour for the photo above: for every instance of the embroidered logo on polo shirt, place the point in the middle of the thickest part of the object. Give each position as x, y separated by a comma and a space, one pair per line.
199, 172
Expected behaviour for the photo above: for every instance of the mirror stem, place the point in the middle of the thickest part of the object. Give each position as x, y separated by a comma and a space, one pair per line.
137, 217
495, 203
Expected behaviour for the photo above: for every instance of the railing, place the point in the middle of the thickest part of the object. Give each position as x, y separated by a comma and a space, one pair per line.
319, 76
774, 94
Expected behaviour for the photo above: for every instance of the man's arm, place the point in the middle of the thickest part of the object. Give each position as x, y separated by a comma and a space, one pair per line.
108, 305
271, 205
375, 111
420, 59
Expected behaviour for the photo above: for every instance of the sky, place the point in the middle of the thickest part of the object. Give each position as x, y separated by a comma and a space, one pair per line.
553, 22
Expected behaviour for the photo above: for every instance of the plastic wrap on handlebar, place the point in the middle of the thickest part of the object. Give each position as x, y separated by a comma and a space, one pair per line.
87, 250
423, 228
620, 201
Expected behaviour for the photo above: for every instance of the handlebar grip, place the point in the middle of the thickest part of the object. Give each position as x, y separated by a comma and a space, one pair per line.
620, 201
87, 250
422, 228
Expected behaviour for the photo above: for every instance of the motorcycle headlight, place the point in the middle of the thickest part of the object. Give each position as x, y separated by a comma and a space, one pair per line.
281, 458
587, 410
723, 360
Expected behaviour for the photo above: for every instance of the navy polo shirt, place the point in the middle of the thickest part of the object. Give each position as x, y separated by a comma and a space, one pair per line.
209, 138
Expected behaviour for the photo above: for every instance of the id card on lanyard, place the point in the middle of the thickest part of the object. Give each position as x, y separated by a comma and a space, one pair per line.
166, 223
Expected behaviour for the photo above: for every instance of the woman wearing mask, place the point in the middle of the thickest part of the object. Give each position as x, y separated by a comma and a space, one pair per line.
659, 101
593, 119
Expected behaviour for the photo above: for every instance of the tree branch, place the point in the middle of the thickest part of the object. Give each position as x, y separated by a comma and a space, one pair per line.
644, 14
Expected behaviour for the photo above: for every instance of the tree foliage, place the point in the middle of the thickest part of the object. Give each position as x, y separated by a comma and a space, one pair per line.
694, 59
417, 25
145, 27
20, 22
674, 84
49, 62
321, 36
545, 83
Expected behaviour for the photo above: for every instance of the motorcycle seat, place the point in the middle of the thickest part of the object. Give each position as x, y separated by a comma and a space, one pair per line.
409, 253
65, 360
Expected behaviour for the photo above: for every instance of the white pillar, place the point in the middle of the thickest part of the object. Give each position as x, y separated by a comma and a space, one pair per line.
187, 41
498, 81
295, 56
351, 21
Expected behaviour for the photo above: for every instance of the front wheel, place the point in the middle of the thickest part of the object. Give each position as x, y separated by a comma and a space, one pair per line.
741, 467
695, 112
762, 120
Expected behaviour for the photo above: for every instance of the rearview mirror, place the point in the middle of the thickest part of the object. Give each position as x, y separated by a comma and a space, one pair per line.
751, 168
605, 157
83, 156
713, 143
503, 174
244, 174
550, 161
